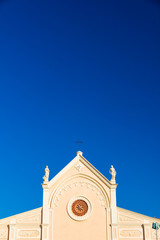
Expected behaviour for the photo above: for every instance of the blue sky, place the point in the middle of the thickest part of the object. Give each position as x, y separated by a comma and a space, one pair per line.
86, 70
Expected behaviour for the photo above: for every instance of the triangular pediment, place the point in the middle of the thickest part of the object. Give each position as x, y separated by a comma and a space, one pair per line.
79, 163
78, 174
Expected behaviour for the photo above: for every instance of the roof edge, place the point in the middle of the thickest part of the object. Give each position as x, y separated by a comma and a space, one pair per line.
82, 159
140, 214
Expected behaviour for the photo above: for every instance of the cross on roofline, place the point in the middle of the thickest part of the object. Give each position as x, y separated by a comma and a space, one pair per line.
79, 143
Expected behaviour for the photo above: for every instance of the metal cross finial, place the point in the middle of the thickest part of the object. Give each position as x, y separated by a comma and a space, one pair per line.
79, 144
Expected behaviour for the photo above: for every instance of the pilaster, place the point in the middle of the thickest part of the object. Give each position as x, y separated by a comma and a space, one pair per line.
45, 231
45, 212
147, 230
12, 230
114, 228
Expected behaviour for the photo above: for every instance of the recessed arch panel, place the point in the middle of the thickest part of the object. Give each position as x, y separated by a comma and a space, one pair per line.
81, 181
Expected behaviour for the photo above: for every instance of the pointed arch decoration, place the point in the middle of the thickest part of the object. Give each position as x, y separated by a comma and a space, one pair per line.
86, 181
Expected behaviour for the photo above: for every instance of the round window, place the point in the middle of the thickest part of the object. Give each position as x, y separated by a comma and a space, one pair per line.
79, 208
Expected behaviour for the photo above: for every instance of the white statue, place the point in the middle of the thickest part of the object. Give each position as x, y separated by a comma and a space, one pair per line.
46, 176
113, 173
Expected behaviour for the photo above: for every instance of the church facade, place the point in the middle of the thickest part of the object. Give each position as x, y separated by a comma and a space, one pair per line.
79, 203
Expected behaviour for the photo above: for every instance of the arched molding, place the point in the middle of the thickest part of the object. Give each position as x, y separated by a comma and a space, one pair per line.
68, 184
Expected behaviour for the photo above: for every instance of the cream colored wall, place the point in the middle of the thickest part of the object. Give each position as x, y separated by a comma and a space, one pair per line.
23, 226
62, 226
134, 226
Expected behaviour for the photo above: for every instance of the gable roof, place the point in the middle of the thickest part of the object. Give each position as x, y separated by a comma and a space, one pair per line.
81, 159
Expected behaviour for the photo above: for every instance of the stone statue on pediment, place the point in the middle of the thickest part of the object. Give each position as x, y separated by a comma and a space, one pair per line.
46, 176
113, 174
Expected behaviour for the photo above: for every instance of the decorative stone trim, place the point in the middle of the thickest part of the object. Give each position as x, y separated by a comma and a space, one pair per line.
130, 233
30, 219
80, 184
79, 166
128, 219
3, 233
28, 233
83, 203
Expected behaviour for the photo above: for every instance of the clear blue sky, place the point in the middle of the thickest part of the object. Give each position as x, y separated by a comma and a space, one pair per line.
86, 70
